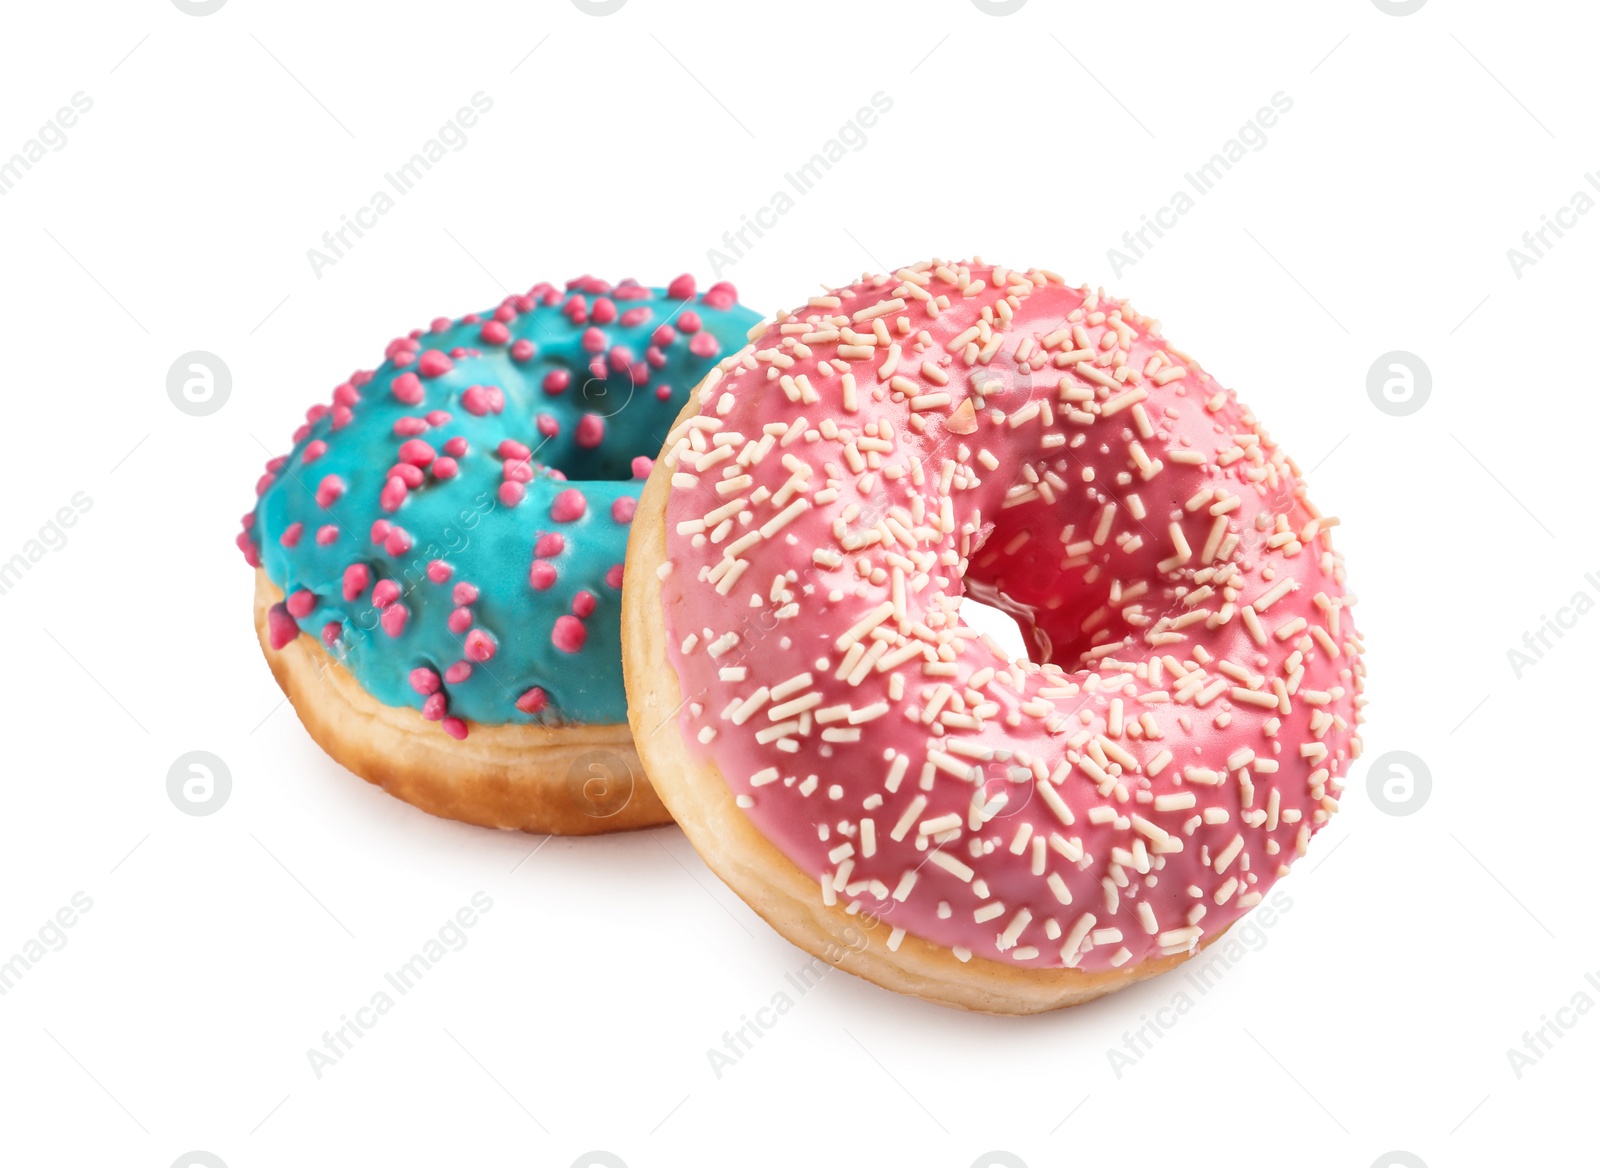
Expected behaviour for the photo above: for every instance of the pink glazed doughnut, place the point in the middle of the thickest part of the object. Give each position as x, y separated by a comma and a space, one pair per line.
876, 778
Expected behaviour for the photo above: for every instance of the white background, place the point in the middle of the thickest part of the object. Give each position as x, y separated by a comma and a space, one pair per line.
1377, 1014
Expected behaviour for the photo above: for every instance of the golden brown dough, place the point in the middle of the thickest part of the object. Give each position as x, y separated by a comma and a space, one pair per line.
570, 780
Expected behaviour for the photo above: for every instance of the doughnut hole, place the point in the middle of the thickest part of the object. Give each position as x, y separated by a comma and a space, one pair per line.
998, 625
604, 423
1061, 612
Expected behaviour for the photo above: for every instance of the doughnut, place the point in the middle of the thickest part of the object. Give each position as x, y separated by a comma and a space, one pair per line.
439, 557
876, 778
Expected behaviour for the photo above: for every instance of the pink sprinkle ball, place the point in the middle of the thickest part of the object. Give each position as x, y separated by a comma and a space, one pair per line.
614, 576
252, 554
407, 388
480, 645
408, 474
394, 619
682, 288
445, 468
533, 700
301, 603
464, 593
433, 708
330, 633
511, 448
434, 364
663, 392
689, 322
494, 333
523, 350
385, 593
425, 681
460, 620
517, 472
329, 490
281, 628
458, 672
398, 543
704, 345
454, 727
511, 493
568, 506
346, 394
327, 534
342, 416
622, 509
583, 604
541, 575
604, 311
380, 530
548, 426
549, 543
593, 340
437, 417
291, 535
591, 431
393, 494
721, 296
568, 634
356, 579
664, 336
480, 400
416, 452
439, 571
409, 426
456, 447
636, 316
641, 466
440, 324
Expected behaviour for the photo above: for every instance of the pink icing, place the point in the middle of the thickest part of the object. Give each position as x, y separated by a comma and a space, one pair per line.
964, 429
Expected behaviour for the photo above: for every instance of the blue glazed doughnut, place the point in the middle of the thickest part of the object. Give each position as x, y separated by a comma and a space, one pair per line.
450, 529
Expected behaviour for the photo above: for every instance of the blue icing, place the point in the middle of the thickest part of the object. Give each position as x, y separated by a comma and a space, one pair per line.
464, 521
